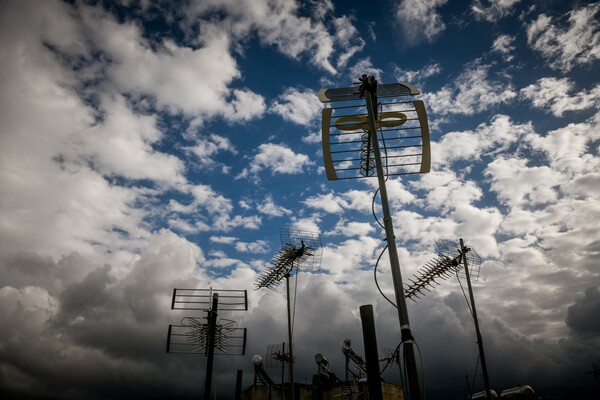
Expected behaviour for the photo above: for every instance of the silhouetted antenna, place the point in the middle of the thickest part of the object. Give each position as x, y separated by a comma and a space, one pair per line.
450, 248
207, 335
277, 356
595, 372
355, 126
391, 357
192, 336
299, 250
402, 126
440, 268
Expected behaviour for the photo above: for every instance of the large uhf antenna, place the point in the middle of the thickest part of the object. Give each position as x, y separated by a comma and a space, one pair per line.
446, 264
299, 250
355, 125
207, 335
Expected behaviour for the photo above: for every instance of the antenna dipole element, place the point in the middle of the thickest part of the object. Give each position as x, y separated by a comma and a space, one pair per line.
441, 267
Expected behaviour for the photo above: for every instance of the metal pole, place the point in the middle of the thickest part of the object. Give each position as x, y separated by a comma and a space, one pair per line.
370, 341
370, 91
287, 281
486, 380
238, 384
212, 328
283, 371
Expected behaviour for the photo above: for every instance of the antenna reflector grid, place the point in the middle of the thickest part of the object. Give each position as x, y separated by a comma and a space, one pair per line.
402, 130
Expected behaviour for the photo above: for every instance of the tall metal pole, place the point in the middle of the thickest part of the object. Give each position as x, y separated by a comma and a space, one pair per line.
287, 281
212, 328
486, 380
369, 84
372, 358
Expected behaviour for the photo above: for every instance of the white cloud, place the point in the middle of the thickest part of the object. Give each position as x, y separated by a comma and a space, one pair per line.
279, 24
279, 158
364, 66
223, 239
498, 135
504, 46
446, 191
496, 9
348, 36
122, 145
417, 77
470, 93
553, 93
565, 47
206, 147
352, 228
568, 148
257, 247
269, 208
300, 107
517, 183
420, 19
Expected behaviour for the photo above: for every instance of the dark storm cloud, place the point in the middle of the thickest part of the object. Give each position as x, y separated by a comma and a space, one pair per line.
583, 316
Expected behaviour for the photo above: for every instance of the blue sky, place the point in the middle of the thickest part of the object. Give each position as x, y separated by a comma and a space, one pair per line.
147, 145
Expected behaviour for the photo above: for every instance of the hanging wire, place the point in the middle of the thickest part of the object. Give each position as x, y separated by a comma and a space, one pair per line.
375, 276
464, 294
295, 293
474, 375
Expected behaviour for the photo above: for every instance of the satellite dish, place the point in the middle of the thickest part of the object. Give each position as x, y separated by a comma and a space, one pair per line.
321, 360
257, 360
347, 344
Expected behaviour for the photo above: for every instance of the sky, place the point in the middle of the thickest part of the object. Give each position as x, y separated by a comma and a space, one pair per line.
152, 145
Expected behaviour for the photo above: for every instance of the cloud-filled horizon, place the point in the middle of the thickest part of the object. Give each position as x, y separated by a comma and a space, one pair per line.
146, 146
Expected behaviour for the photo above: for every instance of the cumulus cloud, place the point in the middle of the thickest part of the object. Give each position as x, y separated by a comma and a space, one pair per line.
567, 46
420, 19
553, 93
364, 66
268, 207
471, 92
300, 107
419, 77
281, 25
278, 158
581, 316
504, 46
492, 10
499, 134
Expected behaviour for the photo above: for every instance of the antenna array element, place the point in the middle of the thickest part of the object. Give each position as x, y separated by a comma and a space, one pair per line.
295, 252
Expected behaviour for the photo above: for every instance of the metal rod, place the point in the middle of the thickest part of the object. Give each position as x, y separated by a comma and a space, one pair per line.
370, 341
212, 321
287, 281
238, 384
486, 380
407, 338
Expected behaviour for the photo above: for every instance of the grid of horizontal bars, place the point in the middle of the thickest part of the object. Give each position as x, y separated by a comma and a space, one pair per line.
192, 338
402, 131
451, 248
312, 240
201, 299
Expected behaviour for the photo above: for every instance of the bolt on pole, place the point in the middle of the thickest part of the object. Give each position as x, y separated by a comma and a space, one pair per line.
370, 90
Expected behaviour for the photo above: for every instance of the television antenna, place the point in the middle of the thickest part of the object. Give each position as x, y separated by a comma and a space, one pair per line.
354, 126
278, 357
207, 335
446, 264
299, 250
